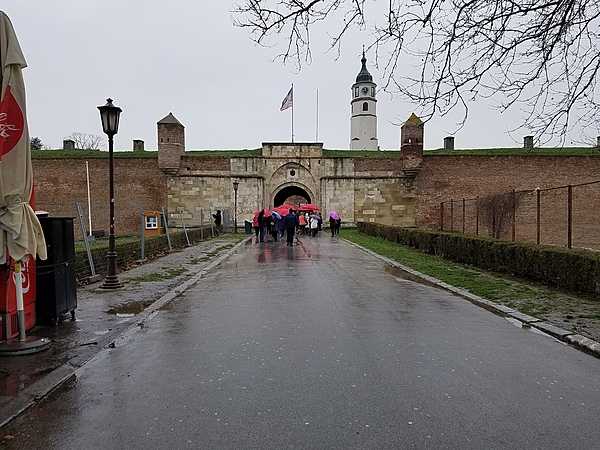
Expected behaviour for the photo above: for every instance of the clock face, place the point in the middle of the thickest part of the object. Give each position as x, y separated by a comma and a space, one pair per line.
365, 90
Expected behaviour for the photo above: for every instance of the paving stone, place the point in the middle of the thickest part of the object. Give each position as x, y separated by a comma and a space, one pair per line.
551, 329
524, 317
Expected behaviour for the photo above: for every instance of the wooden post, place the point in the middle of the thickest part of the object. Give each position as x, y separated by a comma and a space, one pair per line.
538, 215
514, 215
201, 224
442, 216
464, 216
477, 216
570, 216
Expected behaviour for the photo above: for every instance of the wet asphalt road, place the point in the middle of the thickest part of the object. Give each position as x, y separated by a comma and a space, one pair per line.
320, 347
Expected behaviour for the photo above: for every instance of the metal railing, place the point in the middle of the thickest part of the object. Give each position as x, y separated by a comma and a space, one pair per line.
564, 215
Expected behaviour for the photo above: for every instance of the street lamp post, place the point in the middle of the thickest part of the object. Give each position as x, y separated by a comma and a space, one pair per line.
236, 185
110, 114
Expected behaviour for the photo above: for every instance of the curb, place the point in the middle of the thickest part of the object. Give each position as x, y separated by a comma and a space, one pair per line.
576, 340
49, 383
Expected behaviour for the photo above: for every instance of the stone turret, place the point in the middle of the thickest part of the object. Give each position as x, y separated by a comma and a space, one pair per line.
411, 141
171, 144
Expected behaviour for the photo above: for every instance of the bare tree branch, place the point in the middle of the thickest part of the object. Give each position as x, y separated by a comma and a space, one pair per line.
536, 57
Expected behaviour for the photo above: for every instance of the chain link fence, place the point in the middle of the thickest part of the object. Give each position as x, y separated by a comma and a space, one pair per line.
564, 216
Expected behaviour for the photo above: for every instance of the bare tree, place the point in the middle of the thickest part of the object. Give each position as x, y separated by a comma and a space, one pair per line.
537, 56
496, 211
84, 141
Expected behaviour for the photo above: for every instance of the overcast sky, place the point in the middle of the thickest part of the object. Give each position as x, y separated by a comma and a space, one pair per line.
153, 57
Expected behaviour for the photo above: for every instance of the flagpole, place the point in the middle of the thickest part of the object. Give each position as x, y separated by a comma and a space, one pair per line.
317, 124
293, 113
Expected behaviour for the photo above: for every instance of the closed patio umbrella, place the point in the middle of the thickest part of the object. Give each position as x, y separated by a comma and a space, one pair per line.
20, 231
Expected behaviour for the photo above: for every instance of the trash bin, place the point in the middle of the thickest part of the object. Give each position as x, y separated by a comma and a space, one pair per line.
57, 288
248, 227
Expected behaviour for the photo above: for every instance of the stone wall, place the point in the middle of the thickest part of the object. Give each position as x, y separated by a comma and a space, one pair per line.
455, 177
61, 182
385, 201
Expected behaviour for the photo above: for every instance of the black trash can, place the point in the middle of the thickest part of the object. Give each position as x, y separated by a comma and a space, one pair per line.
56, 283
248, 227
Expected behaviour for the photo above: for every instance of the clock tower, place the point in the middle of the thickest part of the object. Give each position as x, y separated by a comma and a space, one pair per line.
363, 125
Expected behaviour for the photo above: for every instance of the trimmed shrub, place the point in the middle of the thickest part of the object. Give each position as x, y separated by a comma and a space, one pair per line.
129, 252
574, 270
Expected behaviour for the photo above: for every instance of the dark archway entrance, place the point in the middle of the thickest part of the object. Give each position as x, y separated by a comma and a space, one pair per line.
292, 195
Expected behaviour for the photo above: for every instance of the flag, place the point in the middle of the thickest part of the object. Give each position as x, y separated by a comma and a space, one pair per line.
288, 101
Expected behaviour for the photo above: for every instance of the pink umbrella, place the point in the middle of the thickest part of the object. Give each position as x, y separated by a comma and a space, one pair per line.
334, 215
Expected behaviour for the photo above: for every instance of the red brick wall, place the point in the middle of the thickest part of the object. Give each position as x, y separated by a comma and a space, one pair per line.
139, 185
194, 163
378, 165
455, 177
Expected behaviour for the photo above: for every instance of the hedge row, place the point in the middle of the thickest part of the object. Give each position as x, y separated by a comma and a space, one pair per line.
574, 270
129, 252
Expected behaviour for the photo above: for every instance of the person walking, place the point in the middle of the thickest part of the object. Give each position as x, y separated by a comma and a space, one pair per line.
332, 226
262, 225
218, 218
281, 227
255, 225
338, 226
291, 221
314, 225
302, 223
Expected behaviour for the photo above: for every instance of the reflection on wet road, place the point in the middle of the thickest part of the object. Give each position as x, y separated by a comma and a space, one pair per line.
319, 347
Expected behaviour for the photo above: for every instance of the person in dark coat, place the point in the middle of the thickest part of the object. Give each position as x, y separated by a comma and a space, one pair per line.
218, 219
291, 222
262, 225
338, 225
332, 226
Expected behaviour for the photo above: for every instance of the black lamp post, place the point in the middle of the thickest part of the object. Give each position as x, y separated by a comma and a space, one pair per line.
110, 114
236, 185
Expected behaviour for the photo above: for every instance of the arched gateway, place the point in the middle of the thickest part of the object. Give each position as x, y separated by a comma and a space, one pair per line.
292, 194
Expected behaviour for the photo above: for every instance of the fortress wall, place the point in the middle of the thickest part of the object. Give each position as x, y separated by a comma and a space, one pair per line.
191, 164
193, 198
338, 195
453, 177
61, 182
385, 201
390, 166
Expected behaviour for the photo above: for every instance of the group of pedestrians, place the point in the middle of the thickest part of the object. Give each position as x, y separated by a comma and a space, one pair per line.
292, 224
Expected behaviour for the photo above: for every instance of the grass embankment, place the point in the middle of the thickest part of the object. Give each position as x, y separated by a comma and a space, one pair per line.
99, 243
577, 313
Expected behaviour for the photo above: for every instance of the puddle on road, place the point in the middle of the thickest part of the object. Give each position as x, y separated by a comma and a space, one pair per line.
399, 273
130, 307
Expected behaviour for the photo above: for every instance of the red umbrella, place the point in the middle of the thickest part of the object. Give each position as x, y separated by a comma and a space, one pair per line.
284, 209
309, 207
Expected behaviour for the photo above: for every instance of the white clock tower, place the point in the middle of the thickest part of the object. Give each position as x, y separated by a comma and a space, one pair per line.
363, 126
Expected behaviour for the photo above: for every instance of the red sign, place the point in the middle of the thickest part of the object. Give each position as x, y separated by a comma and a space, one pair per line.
11, 123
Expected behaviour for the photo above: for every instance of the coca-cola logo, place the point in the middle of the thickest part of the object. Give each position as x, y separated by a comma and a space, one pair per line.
24, 276
11, 123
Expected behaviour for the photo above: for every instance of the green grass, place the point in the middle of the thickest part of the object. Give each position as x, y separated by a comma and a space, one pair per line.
90, 154
538, 151
361, 153
103, 242
578, 313
245, 153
